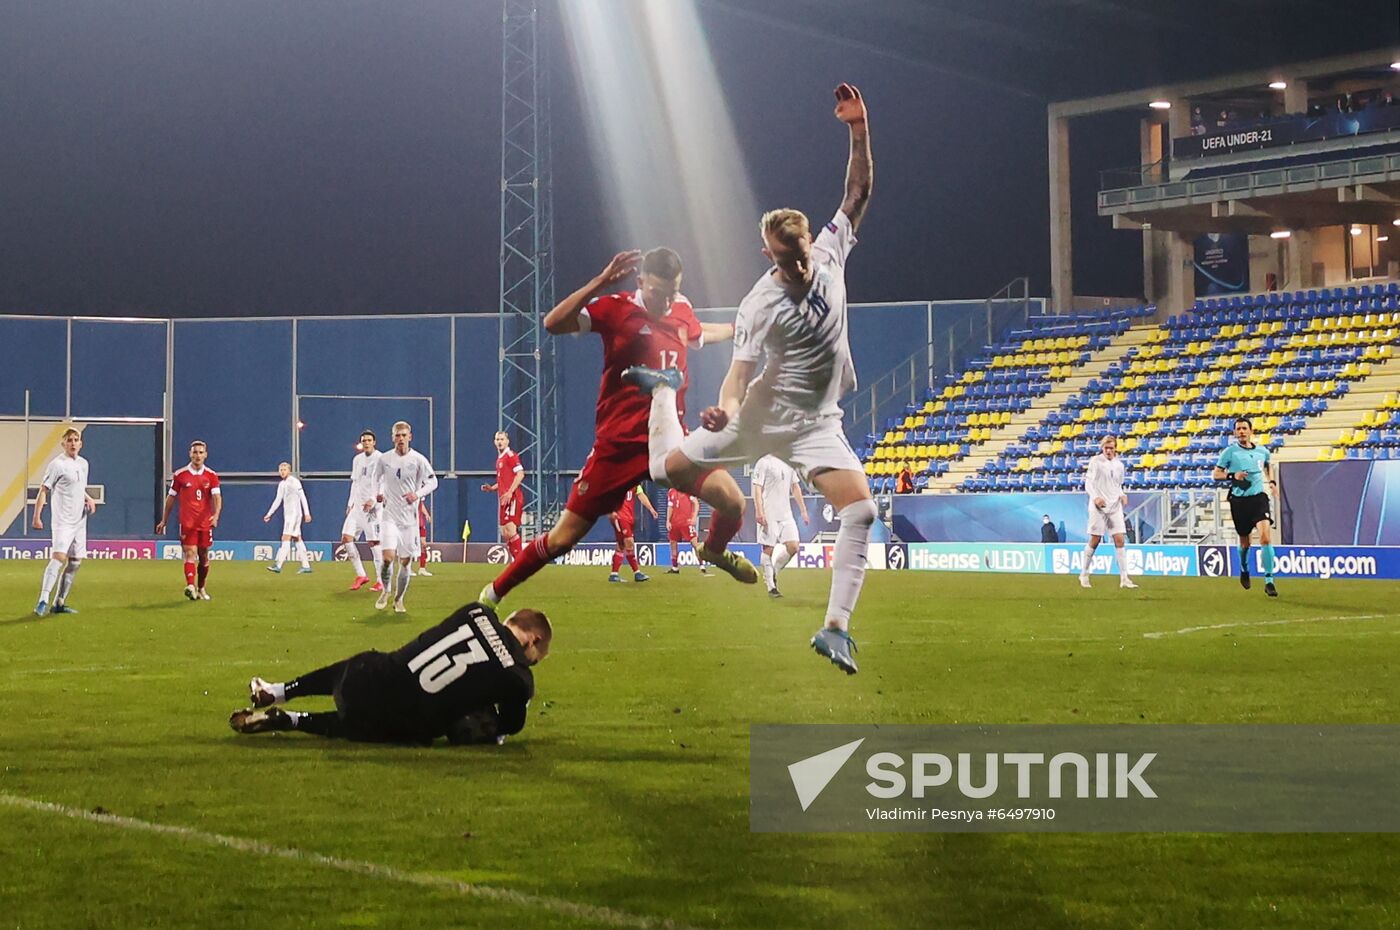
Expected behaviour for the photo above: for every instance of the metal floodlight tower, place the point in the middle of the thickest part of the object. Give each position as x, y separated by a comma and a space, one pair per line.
527, 379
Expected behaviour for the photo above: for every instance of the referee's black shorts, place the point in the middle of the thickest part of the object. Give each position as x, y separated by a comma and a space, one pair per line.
1248, 511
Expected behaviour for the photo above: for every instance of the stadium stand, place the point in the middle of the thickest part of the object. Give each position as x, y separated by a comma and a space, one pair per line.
1315, 370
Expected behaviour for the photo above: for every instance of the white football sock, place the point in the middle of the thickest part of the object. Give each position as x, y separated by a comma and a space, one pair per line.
283, 551
401, 586
781, 556
352, 549
386, 572
1088, 560
1122, 555
376, 553
303, 555
664, 432
51, 572
65, 581
848, 561
766, 564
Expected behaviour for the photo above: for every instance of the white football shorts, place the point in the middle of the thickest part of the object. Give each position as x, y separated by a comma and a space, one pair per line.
359, 523
71, 539
1107, 522
809, 444
402, 538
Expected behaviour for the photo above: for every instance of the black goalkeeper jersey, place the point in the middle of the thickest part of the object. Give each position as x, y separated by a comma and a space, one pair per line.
466, 663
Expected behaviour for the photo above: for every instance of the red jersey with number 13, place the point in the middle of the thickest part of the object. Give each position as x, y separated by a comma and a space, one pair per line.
195, 490
632, 337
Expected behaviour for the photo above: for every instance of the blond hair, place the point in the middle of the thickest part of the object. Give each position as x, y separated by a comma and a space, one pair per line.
70, 431
402, 424
784, 223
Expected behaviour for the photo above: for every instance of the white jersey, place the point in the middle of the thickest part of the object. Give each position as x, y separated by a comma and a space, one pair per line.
364, 479
773, 480
1104, 478
809, 367
66, 480
400, 474
291, 498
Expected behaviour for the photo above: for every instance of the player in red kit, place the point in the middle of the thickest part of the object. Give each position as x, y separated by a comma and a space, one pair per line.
624, 521
682, 525
196, 489
653, 325
509, 476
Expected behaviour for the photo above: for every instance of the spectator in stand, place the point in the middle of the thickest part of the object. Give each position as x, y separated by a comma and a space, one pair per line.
1047, 531
904, 484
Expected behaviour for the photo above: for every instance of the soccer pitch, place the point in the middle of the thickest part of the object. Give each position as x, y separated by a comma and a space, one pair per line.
125, 800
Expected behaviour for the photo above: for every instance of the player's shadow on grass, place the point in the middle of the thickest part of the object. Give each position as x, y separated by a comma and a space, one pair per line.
30, 617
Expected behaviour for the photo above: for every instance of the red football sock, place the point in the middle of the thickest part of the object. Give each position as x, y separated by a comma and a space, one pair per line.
533, 558
203, 572
722, 530
617, 562
514, 545
189, 573
632, 561
423, 559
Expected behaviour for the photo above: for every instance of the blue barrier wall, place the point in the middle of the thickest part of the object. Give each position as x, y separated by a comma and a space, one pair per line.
1340, 503
233, 386
118, 369
233, 389
995, 518
33, 355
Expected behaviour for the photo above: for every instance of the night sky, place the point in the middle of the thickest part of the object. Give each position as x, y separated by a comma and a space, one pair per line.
247, 157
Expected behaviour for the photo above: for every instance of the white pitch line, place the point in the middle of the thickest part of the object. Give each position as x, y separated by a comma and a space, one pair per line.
597, 914
1243, 623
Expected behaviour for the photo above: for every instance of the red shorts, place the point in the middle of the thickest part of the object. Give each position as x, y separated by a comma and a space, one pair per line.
200, 538
510, 509
610, 472
680, 532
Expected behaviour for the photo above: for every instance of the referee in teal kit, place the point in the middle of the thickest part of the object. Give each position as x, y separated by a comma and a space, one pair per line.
1246, 466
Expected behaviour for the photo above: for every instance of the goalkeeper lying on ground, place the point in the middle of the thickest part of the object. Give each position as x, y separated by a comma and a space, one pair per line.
468, 679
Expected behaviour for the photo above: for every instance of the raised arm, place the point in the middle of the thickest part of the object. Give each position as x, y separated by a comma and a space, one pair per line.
564, 317
850, 109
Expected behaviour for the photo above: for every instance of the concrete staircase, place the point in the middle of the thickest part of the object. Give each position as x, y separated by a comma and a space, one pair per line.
1323, 431
1059, 393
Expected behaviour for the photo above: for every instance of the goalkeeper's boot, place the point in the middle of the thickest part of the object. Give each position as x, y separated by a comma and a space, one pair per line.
733, 565
837, 646
260, 720
1244, 577
649, 379
1269, 589
264, 693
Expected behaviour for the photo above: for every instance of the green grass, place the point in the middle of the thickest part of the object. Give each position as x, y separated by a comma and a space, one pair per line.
628, 788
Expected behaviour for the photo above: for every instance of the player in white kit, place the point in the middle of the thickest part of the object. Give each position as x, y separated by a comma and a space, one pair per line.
1103, 481
775, 486
65, 487
795, 319
405, 478
362, 511
291, 497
